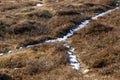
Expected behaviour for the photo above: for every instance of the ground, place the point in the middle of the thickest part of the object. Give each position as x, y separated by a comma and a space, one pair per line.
22, 23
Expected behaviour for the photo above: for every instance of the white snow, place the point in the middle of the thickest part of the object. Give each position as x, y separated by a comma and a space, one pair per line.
28, 46
72, 57
67, 46
20, 48
86, 71
10, 51
75, 65
39, 4
72, 49
69, 52
1, 54
83, 24
102, 14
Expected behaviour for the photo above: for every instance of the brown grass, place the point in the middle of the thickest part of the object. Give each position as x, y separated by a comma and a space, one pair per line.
98, 45
26, 24
38, 60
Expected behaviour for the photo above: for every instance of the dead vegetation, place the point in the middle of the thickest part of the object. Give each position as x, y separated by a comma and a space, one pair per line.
38, 60
22, 24
98, 45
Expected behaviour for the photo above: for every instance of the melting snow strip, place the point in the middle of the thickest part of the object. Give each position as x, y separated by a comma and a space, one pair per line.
71, 32
102, 14
73, 60
82, 25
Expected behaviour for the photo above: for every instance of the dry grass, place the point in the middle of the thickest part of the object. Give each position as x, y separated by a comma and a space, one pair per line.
98, 45
35, 61
23, 23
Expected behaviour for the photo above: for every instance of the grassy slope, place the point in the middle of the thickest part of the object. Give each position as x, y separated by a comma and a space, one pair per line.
23, 23
98, 45
27, 24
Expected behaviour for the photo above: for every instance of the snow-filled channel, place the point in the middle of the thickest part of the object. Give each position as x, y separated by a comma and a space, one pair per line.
102, 14
72, 57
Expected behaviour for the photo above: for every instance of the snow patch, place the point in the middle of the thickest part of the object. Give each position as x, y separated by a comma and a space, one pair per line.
39, 4
75, 65
1, 54
86, 71
102, 14
10, 51
66, 45
20, 48
73, 60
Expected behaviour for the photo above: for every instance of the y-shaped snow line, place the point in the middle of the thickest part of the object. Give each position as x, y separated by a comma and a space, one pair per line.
71, 32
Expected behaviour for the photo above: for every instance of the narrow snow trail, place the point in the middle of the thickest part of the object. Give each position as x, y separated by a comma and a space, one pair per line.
73, 60
72, 57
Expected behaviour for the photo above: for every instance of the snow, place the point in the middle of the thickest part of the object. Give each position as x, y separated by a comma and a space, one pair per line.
67, 46
28, 46
82, 25
10, 51
75, 66
72, 49
102, 14
48, 41
71, 32
39, 4
86, 71
1, 54
69, 52
72, 57
20, 48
